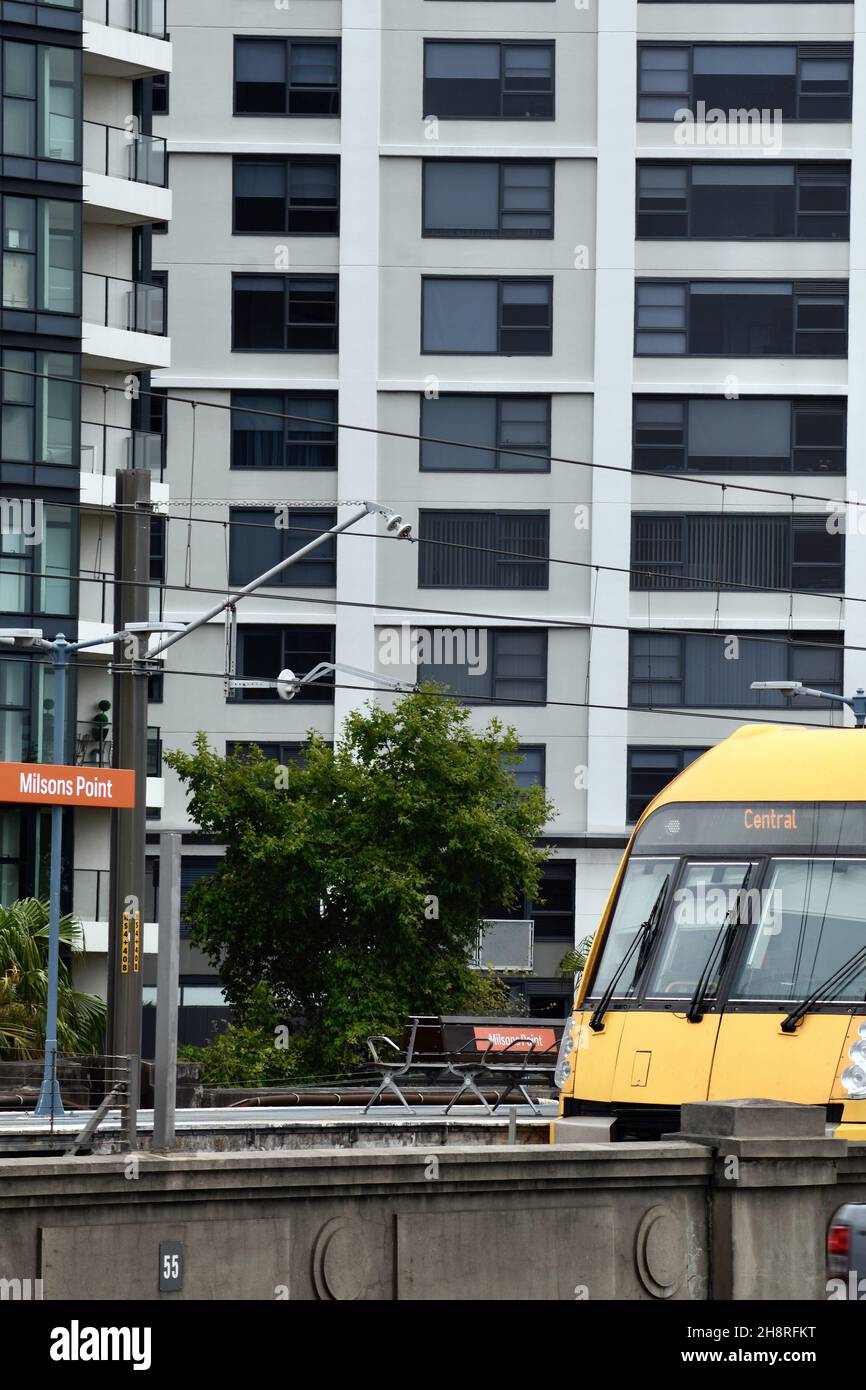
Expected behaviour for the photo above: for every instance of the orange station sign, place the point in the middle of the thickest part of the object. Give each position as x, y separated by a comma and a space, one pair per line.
46, 784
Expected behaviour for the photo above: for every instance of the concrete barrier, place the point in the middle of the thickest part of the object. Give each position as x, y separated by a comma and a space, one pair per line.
737, 1207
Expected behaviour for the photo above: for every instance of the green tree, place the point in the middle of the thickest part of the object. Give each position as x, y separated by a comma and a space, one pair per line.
353, 888
24, 985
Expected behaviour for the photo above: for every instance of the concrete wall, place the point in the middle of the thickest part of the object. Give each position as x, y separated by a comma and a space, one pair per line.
736, 1208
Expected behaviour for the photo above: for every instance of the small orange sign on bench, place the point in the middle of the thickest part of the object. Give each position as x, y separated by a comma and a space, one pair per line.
46, 784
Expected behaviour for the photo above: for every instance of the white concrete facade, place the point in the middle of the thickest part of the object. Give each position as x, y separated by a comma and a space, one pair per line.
381, 374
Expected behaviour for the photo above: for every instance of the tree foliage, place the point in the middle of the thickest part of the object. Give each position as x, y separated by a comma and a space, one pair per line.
352, 888
24, 986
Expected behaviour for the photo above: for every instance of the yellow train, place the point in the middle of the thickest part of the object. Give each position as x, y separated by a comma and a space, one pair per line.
730, 961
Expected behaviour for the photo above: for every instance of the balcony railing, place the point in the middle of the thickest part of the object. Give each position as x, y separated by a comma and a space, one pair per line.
105, 449
133, 305
90, 890
136, 16
121, 154
93, 745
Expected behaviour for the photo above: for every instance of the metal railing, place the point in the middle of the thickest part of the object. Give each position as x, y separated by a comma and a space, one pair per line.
123, 154
136, 16
105, 449
133, 305
90, 890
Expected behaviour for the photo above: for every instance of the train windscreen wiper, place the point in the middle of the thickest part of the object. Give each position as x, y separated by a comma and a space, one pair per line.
840, 977
643, 939
719, 953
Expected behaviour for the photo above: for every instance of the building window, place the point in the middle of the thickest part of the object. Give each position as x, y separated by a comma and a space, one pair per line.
263, 652
717, 200
41, 254
27, 711
716, 670
41, 116
263, 438
286, 196
157, 549
804, 82
505, 666
745, 435
488, 198
483, 550
287, 77
488, 81
159, 93
37, 576
705, 550
530, 771
749, 318
284, 313
553, 910
292, 754
510, 434
649, 772
40, 415
261, 539
487, 316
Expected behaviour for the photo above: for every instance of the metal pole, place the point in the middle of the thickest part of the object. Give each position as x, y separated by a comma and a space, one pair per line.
49, 1102
128, 828
168, 972
260, 582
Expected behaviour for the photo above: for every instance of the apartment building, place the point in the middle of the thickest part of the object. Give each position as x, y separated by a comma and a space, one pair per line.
82, 181
491, 223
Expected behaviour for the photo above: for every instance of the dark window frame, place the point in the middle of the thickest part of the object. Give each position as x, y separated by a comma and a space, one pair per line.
287, 160
500, 561
35, 465
287, 443
689, 100
800, 290
59, 40
798, 525
799, 166
39, 255
286, 277
324, 41
501, 44
492, 639
501, 281
686, 753
480, 234
322, 693
800, 640
498, 447
321, 561
801, 407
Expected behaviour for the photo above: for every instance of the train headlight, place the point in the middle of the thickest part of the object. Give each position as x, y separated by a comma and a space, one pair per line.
857, 1053
853, 1080
566, 1047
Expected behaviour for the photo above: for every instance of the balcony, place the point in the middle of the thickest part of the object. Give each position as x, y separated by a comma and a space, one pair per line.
125, 38
93, 745
125, 176
90, 898
123, 324
106, 449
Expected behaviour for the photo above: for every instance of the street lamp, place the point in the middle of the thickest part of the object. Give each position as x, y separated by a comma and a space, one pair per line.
856, 703
61, 652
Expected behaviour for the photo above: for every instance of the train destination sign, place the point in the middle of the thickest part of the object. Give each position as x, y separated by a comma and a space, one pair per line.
46, 784
828, 827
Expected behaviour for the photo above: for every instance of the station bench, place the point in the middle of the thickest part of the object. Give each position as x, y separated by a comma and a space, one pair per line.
458, 1049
